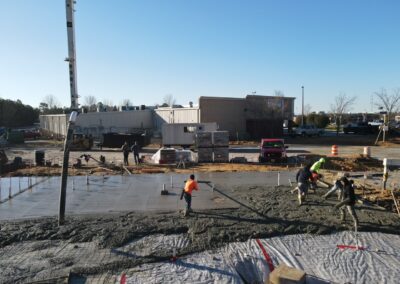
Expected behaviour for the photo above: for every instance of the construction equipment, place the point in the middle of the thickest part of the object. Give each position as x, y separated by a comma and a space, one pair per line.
81, 142
71, 59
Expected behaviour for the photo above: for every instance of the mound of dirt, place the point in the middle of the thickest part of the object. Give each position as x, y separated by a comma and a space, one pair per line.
349, 163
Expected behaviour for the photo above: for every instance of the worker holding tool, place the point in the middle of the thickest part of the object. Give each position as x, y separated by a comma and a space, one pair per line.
338, 186
190, 185
315, 168
348, 202
135, 152
125, 151
303, 178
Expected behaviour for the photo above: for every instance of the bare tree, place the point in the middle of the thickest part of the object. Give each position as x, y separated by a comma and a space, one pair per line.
51, 101
108, 104
389, 103
90, 102
169, 100
126, 102
279, 93
341, 105
307, 109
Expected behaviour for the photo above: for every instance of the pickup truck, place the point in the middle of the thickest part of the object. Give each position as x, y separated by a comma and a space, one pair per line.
360, 128
272, 150
307, 130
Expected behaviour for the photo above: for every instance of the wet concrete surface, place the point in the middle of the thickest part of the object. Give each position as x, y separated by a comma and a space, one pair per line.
245, 206
261, 211
124, 193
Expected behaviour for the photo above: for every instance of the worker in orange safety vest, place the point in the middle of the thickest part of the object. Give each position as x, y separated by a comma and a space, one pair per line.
190, 185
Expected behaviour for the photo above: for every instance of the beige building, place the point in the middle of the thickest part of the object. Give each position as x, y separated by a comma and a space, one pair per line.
249, 117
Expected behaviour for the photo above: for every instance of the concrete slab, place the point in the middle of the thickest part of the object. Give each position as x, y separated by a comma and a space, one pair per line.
125, 193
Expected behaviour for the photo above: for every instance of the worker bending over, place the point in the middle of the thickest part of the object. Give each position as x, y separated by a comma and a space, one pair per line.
348, 202
315, 171
338, 186
303, 178
190, 185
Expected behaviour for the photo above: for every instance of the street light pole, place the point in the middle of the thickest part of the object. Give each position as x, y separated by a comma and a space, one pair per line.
64, 172
302, 105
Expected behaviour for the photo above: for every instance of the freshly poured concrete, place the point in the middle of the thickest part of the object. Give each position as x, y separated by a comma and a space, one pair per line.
125, 193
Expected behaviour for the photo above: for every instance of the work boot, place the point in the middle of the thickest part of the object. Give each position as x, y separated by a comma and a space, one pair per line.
300, 199
186, 213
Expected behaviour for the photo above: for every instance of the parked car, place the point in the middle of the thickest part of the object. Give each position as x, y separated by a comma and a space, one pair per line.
272, 150
376, 122
360, 128
308, 130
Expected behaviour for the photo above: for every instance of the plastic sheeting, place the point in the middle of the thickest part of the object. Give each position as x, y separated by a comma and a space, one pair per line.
377, 261
181, 155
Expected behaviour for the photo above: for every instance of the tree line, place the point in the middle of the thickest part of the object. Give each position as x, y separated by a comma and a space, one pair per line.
16, 114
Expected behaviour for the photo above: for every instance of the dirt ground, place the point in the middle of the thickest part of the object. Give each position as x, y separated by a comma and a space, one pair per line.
263, 212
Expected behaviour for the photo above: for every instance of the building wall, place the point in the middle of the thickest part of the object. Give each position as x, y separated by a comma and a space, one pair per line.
269, 107
97, 123
232, 114
55, 124
228, 113
175, 115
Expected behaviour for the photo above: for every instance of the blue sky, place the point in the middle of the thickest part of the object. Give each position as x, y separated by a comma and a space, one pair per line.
143, 50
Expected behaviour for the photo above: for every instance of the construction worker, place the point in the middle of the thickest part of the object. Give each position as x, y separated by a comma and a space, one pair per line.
303, 178
187, 193
338, 186
348, 202
125, 151
135, 151
315, 172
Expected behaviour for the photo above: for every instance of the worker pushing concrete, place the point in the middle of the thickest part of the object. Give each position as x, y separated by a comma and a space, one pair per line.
303, 178
315, 171
338, 186
125, 151
135, 152
348, 202
190, 185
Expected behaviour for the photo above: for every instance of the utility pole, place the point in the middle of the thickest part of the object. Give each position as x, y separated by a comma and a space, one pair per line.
302, 105
71, 59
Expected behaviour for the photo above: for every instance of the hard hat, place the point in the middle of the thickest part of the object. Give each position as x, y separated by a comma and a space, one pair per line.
322, 160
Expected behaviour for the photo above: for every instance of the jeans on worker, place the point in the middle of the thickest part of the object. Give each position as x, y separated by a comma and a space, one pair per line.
334, 188
136, 158
126, 163
303, 187
188, 199
352, 212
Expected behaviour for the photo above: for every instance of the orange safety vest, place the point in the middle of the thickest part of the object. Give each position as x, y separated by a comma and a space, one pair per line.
190, 185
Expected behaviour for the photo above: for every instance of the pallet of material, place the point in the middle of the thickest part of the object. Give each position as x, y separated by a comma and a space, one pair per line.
220, 138
205, 155
167, 156
221, 155
203, 139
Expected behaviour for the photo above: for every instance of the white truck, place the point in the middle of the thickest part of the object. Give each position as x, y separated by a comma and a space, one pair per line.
308, 130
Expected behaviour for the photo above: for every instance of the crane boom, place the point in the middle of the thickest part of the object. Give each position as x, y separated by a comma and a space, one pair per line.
72, 54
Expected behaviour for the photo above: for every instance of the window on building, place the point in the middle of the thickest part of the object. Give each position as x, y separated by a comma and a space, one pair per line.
189, 129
